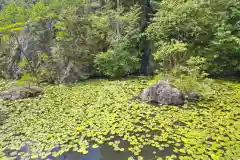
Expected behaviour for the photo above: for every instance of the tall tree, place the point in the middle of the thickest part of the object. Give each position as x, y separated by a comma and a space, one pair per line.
146, 12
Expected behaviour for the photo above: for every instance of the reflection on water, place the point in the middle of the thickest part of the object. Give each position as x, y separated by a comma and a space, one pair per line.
93, 154
104, 152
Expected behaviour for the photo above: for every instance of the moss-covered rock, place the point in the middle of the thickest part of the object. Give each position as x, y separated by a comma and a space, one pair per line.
21, 93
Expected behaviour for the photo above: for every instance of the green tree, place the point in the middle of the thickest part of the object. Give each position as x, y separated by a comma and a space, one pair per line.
209, 29
89, 36
13, 20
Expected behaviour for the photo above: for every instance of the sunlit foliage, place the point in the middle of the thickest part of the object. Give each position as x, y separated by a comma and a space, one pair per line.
208, 28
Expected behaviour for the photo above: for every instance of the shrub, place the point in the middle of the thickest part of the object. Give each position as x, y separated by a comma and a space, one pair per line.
195, 66
122, 57
186, 83
119, 61
209, 29
190, 77
104, 38
169, 55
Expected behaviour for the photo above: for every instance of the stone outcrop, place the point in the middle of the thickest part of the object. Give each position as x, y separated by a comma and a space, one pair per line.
30, 44
162, 93
21, 93
192, 96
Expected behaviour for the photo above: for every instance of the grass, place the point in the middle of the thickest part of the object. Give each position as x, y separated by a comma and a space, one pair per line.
97, 112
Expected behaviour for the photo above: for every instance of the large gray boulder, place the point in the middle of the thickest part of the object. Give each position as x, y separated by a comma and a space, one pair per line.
162, 93
71, 72
21, 93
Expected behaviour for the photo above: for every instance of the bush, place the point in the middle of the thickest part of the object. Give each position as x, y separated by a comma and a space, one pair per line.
190, 77
169, 55
119, 61
186, 83
122, 57
209, 29
105, 39
191, 83
195, 66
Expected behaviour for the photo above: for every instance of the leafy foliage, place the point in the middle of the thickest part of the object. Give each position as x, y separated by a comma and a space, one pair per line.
187, 83
14, 17
96, 112
117, 62
122, 57
14, 20
208, 29
101, 38
171, 55
190, 77
27, 79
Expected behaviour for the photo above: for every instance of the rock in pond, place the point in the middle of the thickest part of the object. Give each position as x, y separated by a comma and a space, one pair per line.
162, 93
21, 93
192, 96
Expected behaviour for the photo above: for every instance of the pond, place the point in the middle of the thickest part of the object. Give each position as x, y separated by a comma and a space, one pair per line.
100, 119
103, 152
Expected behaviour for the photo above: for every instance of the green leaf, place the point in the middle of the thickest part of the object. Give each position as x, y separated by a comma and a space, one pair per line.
23, 63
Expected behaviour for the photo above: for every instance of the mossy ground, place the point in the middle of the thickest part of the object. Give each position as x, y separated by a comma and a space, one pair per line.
97, 112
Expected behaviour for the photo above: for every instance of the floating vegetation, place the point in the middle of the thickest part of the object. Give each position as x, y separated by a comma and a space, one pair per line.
92, 113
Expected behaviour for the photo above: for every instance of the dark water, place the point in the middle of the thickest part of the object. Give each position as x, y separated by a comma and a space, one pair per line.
104, 152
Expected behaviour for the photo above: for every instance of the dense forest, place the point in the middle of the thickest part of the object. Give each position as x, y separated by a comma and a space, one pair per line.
87, 63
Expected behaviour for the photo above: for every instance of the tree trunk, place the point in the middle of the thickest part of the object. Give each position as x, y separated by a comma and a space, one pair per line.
146, 12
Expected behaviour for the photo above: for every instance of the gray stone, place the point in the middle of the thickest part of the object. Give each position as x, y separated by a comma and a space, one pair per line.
162, 93
21, 93
192, 96
71, 73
